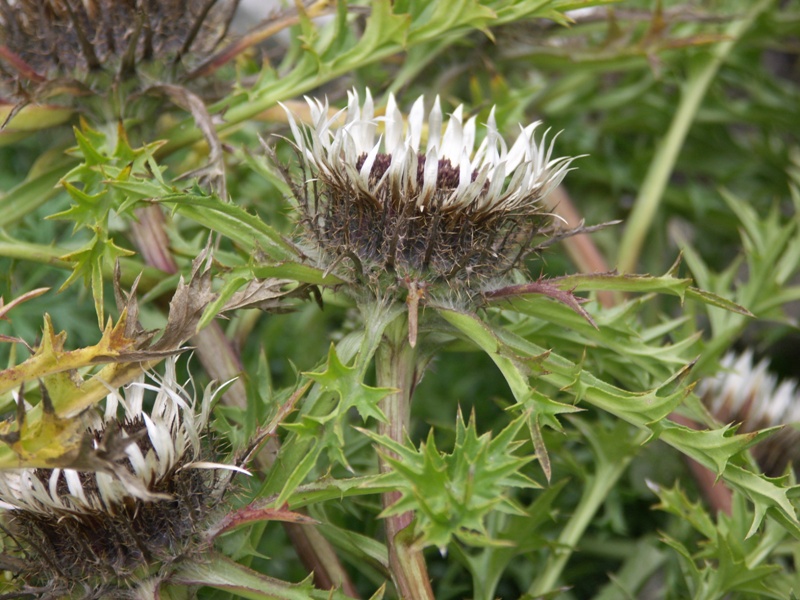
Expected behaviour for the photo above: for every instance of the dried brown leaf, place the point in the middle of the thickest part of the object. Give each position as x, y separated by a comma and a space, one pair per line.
264, 294
187, 305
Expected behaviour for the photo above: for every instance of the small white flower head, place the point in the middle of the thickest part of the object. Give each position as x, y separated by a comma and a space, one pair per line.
451, 211
151, 491
748, 393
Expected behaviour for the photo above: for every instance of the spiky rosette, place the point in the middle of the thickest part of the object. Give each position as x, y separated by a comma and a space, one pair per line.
106, 530
451, 214
78, 47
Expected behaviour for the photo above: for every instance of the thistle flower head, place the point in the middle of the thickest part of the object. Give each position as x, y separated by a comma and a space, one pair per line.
746, 392
453, 211
102, 529
47, 45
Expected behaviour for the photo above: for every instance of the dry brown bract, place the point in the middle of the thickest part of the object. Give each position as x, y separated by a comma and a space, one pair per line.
47, 45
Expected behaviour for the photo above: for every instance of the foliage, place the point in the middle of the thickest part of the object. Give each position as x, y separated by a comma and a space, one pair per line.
590, 465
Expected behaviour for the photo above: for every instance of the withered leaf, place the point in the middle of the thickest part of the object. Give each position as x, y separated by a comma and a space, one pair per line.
187, 305
265, 294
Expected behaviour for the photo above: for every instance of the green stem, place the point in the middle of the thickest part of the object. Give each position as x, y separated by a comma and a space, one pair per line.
595, 493
295, 448
652, 190
397, 366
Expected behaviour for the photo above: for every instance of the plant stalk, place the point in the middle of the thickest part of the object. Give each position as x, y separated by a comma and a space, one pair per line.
596, 492
397, 367
652, 190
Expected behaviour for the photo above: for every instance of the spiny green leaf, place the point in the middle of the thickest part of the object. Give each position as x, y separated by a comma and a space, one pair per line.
450, 15
88, 209
727, 561
88, 263
766, 493
713, 299
639, 408
452, 493
674, 500
248, 231
91, 144
326, 433
712, 448
666, 284
347, 383
384, 28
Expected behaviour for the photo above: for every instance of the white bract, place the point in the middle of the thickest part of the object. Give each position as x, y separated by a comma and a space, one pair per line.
163, 442
491, 178
748, 392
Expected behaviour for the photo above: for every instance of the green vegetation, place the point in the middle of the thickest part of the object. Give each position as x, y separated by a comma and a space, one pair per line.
445, 382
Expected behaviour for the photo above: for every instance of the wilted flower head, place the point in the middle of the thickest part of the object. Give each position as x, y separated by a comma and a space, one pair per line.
450, 213
747, 393
49, 45
101, 530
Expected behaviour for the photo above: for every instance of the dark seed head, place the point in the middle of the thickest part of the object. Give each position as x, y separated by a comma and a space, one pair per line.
46, 46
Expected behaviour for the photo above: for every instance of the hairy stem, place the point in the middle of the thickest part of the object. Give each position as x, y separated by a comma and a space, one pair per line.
397, 367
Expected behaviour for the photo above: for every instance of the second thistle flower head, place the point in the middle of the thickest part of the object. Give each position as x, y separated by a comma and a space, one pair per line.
746, 392
79, 47
107, 530
450, 212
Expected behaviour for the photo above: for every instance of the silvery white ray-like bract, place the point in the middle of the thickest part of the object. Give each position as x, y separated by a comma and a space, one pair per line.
148, 448
492, 177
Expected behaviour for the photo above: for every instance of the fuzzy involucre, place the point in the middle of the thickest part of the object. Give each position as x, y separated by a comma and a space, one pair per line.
61, 41
99, 533
449, 215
